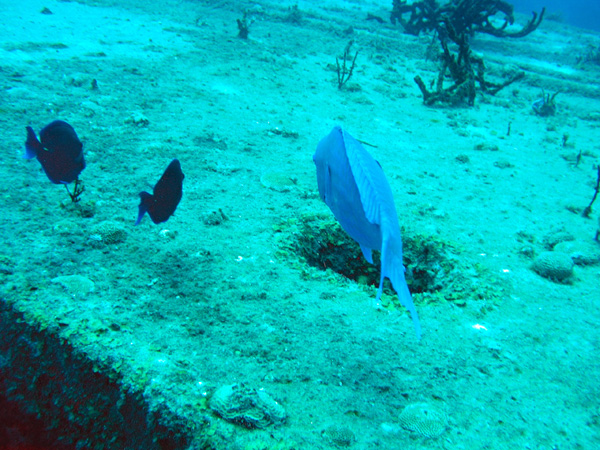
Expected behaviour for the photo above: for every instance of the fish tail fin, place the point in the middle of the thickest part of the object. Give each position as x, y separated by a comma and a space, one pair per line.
146, 198
392, 268
32, 144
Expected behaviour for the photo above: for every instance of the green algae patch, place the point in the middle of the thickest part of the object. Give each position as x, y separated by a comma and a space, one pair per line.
436, 270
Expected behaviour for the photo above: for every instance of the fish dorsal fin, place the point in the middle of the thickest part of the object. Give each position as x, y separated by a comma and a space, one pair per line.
366, 172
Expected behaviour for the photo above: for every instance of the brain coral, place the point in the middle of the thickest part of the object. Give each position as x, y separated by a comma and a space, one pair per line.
581, 252
248, 407
424, 418
555, 266
339, 435
107, 233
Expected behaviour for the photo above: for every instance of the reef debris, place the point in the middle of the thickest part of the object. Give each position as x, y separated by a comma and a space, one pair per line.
244, 26
545, 106
243, 405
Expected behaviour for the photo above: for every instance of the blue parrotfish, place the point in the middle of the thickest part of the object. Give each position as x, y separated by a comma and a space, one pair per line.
167, 193
354, 187
59, 151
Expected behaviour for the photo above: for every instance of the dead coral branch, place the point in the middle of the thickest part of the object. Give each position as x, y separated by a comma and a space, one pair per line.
454, 23
465, 16
343, 71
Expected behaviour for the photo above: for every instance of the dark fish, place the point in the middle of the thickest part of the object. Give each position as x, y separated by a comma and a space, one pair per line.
59, 151
354, 187
167, 194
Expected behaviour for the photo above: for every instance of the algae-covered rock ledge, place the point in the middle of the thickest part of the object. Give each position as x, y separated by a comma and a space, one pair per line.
91, 396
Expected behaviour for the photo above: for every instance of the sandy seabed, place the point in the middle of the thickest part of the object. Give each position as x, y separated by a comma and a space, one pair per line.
210, 298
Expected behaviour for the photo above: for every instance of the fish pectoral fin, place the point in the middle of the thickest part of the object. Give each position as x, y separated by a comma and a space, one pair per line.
367, 253
327, 193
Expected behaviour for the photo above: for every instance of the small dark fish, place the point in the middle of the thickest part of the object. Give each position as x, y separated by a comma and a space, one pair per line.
166, 195
59, 151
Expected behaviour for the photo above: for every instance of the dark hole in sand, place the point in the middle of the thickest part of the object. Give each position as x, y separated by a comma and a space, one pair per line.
434, 267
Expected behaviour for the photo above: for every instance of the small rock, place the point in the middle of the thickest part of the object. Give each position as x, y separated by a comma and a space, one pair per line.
279, 181
503, 164
66, 227
213, 218
527, 251
251, 408
78, 80
463, 159
138, 119
486, 146
284, 133
167, 234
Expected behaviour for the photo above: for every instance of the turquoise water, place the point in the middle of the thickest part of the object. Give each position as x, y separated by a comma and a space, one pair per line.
250, 287
580, 13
